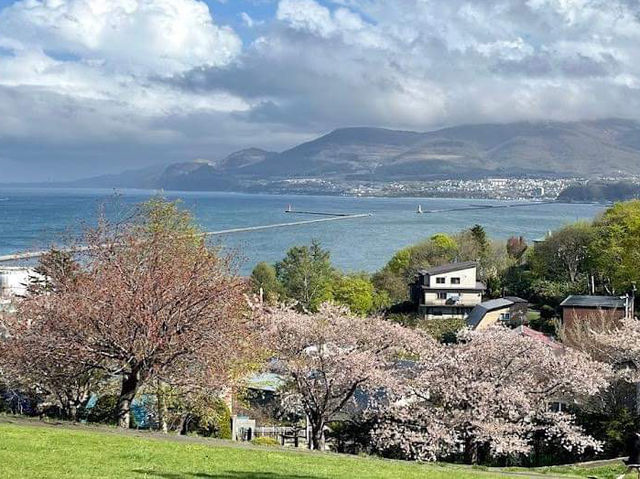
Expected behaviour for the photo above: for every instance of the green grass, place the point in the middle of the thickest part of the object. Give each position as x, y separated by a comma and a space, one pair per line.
29, 450
608, 471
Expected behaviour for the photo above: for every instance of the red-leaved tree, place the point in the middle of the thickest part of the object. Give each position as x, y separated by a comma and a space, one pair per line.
151, 301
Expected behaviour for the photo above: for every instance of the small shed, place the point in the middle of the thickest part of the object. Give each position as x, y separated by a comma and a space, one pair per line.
585, 308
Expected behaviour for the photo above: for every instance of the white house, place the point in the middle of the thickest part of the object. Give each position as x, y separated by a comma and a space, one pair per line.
14, 281
449, 291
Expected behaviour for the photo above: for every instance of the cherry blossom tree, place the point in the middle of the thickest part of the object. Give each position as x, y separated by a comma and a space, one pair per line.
618, 343
489, 393
329, 356
151, 301
32, 358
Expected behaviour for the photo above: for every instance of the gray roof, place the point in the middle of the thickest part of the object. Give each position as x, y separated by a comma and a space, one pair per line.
448, 268
477, 313
603, 302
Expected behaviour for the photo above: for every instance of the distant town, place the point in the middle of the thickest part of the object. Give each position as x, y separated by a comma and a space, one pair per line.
481, 188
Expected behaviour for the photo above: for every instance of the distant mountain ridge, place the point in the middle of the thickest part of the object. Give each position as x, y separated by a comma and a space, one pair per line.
535, 149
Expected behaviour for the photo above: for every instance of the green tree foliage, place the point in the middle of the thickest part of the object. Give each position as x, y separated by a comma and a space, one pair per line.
610, 417
564, 256
306, 275
517, 280
444, 243
202, 413
54, 268
392, 284
480, 237
356, 292
158, 215
616, 246
264, 278
552, 293
399, 261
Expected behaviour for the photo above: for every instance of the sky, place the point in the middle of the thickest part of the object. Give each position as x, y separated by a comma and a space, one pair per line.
99, 86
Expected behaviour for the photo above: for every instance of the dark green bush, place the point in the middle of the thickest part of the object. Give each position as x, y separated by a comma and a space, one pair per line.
104, 410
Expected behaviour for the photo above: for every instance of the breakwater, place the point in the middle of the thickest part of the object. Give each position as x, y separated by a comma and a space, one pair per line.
79, 249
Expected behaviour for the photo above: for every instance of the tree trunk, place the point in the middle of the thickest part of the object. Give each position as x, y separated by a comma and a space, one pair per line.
184, 426
162, 411
317, 435
471, 452
130, 383
73, 412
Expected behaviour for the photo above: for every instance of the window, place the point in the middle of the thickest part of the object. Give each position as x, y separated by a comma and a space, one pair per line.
440, 280
455, 280
558, 406
505, 316
442, 295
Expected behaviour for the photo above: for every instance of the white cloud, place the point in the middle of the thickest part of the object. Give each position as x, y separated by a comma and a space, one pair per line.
247, 20
89, 69
138, 36
306, 15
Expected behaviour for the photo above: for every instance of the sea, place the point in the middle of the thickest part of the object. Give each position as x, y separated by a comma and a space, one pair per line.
35, 218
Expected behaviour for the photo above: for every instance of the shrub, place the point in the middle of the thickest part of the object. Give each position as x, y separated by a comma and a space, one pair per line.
104, 410
223, 422
265, 441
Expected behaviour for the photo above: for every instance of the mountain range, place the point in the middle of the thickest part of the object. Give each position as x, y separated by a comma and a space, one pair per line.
587, 149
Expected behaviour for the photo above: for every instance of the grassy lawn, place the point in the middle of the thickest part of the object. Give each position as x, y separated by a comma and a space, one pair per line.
40, 451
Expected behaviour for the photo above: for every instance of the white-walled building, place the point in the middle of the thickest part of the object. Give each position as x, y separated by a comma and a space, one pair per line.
449, 291
14, 281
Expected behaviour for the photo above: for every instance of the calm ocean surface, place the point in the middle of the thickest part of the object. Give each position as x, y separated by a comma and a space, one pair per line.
33, 218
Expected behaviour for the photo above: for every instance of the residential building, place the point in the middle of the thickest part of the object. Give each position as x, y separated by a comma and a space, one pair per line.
585, 308
448, 291
510, 311
14, 281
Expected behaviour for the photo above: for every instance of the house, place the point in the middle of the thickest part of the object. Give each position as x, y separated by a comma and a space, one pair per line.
448, 291
14, 281
510, 310
585, 308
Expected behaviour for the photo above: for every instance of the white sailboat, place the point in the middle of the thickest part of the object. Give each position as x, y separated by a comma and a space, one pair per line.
419, 211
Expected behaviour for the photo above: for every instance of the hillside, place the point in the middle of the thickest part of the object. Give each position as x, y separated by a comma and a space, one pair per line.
601, 192
30, 450
532, 149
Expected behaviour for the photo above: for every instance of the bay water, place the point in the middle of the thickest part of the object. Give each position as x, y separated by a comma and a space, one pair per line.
34, 218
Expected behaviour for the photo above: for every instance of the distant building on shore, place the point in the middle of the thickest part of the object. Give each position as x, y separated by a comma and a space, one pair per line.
448, 291
14, 281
